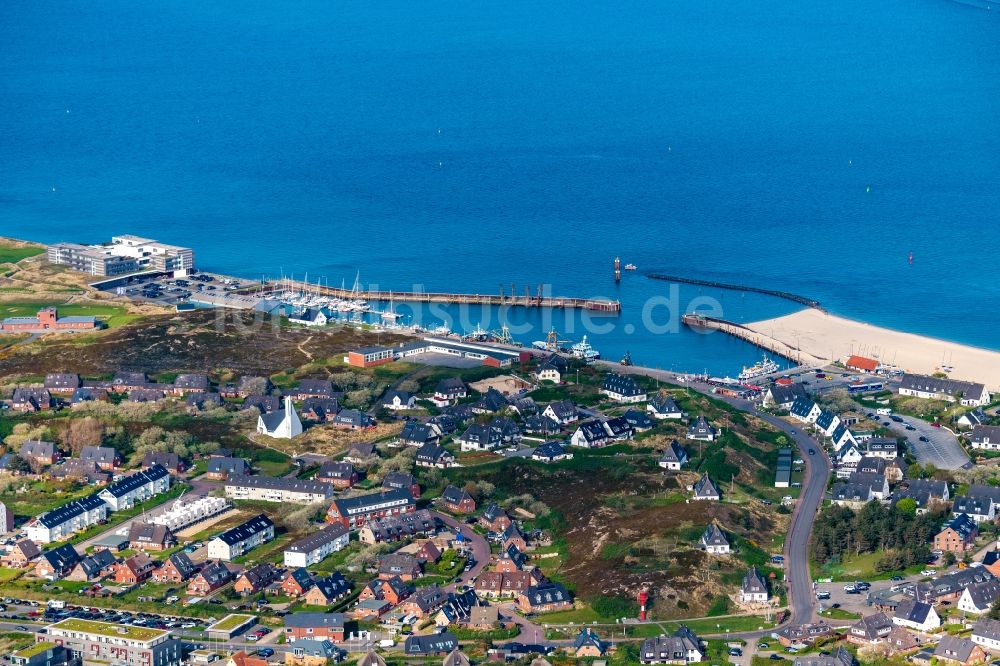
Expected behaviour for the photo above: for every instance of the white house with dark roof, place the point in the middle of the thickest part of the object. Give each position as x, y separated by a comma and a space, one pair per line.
985, 437
972, 418
805, 410
842, 436
970, 394
714, 541
674, 457
883, 447
705, 490
622, 388
702, 430
590, 435
448, 391
827, 422
663, 407
562, 411
986, 634
783, 396
916, 615
979, 597
241, 539
282, 424
754, 589
398, 400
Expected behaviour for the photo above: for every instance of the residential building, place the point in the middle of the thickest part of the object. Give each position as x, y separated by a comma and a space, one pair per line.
62, 383
714, 541
754, 589
241, 539
327, 590
978, 598
805, 410
550, 452
957, 536
353, 512
543, 598
674, 457
970, 394
211, 577
705, 490
916, 615
681, 647
702, 430
398, 527
662, 407
986, 633
175, 569
39, 452
296, 582
221, 467
136, 488
283, 489
457, 500
57, 562
255, 578
341, 475
104, 457
430, 644
313, 549
955, 650
106, 642
312, 652
434, 455
622, 388
93, 567
59, 524
985, 437
562, 412
398, 400
149, 536
449, 390
133, 570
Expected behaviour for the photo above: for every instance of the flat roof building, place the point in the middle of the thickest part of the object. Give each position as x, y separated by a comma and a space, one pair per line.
124, 254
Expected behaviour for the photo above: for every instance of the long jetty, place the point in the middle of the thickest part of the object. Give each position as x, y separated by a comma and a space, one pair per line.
788, 296
501, 299
776, 347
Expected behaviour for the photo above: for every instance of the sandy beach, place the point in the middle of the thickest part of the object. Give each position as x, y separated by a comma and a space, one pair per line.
835, 338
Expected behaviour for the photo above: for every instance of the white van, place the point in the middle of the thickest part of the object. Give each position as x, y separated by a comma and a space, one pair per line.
883, 411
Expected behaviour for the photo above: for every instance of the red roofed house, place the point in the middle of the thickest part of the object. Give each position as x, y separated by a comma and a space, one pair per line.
862, 364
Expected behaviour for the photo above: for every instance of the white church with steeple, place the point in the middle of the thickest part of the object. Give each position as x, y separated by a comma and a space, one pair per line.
282, 424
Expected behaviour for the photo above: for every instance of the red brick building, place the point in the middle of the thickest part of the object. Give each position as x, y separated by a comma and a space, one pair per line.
48, 319
367, 357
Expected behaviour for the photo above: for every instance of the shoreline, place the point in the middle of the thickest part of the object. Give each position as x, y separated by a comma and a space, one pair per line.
834, 337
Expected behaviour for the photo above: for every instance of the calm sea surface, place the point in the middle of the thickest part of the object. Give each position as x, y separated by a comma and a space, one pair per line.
802, 146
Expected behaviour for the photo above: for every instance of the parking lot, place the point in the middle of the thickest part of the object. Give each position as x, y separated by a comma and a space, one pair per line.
928, 444
165, 290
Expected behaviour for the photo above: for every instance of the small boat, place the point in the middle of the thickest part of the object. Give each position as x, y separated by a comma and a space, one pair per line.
583, 350
630, 267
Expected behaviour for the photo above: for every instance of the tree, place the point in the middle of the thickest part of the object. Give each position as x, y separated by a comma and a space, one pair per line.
949, 558
83, 432
18, 465
907, 505
994, 613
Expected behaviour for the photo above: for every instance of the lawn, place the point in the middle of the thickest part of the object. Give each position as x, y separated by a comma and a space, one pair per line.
11, 255
109, 629
111, 315
839, 614
231, 622
860, 567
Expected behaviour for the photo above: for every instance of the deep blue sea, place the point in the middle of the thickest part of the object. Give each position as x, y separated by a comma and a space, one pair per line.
803, 146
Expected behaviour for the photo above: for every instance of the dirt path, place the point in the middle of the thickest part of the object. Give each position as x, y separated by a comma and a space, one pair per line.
304, 352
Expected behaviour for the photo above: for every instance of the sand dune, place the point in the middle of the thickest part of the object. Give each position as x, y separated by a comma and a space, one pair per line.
835, 338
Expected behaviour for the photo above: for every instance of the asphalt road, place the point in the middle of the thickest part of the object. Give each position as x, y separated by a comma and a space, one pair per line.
941, 448
817, 473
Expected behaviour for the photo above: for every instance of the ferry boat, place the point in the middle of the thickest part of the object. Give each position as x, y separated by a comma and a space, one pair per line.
583, 350
763, 367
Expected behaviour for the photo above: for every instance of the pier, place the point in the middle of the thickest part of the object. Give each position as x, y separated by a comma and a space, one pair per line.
788, 296
528, 300
776, 347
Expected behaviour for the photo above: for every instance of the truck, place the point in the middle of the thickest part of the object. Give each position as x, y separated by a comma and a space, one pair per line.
57, 604
883, 411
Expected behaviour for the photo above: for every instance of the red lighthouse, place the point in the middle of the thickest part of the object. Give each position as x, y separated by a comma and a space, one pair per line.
643, 599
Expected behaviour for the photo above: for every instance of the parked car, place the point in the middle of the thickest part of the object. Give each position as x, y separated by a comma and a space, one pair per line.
923, 439
822, 594
735, 652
